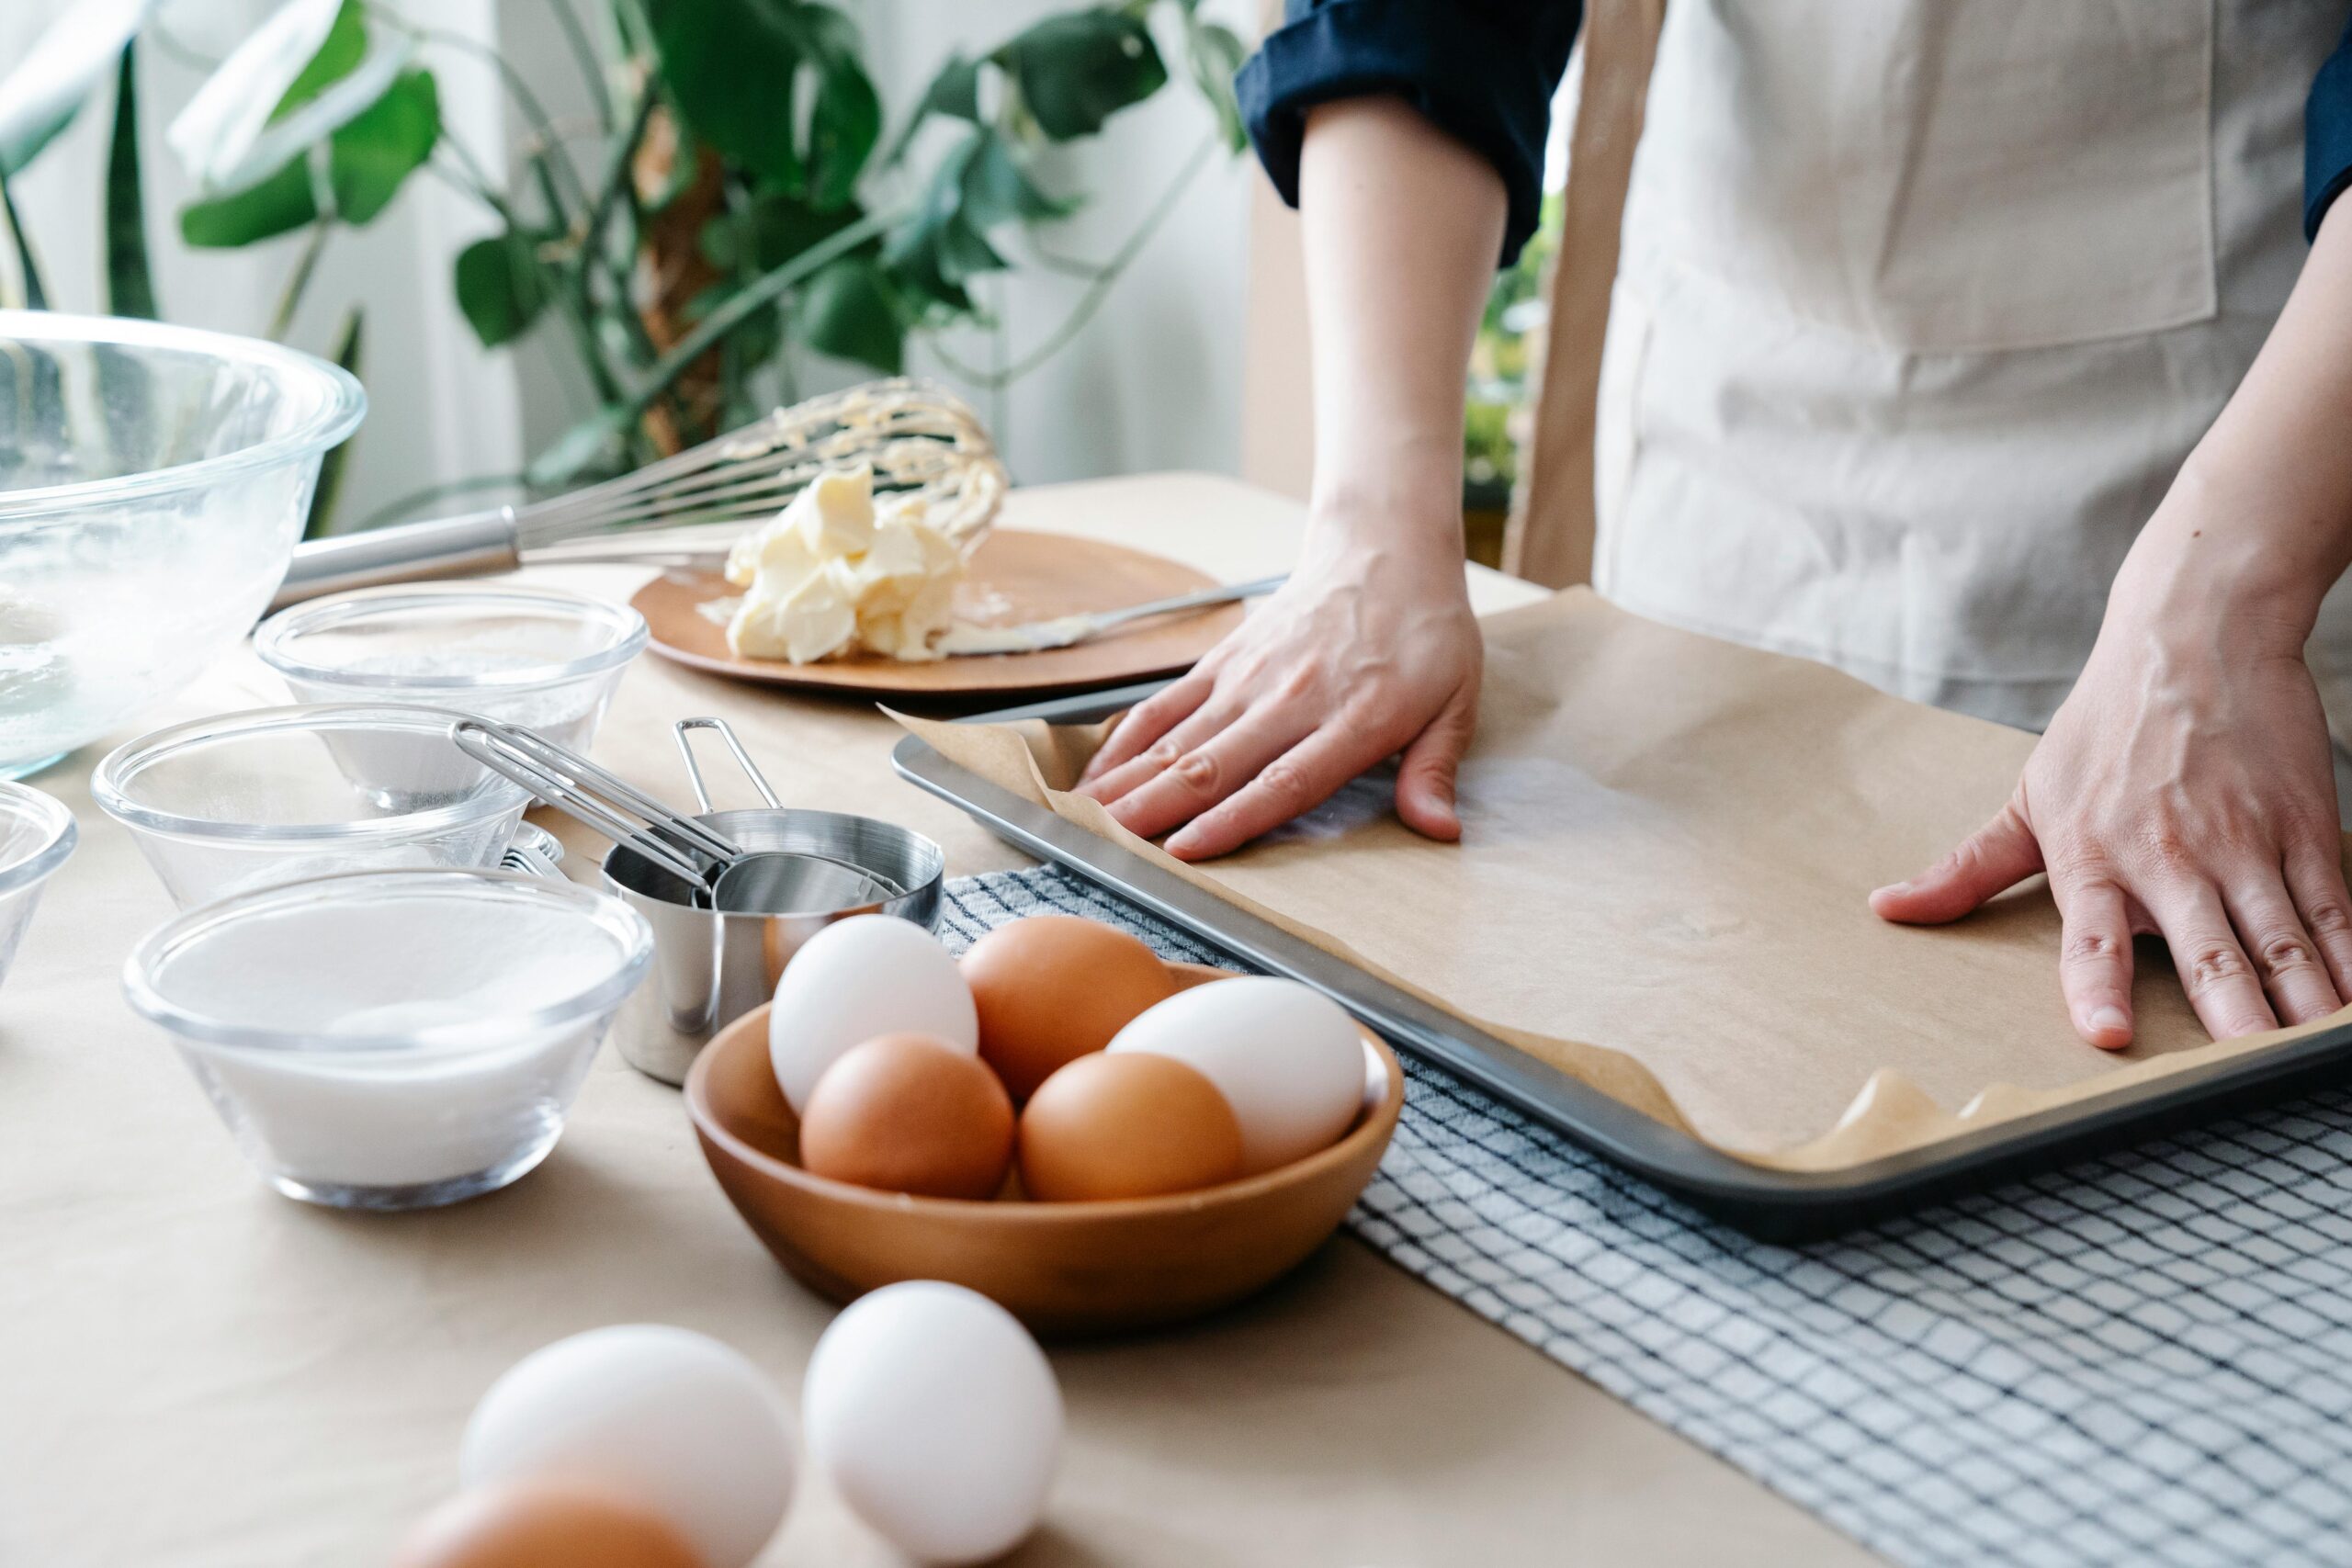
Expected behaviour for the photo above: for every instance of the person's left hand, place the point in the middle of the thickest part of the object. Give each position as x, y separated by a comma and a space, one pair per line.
2186, 788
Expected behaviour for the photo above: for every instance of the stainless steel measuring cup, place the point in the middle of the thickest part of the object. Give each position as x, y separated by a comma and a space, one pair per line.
801, 871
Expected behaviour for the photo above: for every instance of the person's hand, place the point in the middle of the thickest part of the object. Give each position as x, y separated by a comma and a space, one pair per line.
2185, 790
1366, 652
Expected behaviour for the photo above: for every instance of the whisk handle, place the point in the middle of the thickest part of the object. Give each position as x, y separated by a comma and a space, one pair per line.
412, 552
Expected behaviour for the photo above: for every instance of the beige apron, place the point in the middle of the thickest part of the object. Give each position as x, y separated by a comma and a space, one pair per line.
1921, 304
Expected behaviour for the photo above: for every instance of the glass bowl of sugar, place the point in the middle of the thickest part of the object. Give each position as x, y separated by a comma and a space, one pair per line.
536, 656
395, 1039
245, 800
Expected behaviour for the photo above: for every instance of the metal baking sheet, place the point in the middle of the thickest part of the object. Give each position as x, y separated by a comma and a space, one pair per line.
1773, 1204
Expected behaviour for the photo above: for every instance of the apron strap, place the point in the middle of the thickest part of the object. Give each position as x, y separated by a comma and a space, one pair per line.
1550, 535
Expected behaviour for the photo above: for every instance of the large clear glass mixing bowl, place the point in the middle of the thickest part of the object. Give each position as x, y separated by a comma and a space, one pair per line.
153, 480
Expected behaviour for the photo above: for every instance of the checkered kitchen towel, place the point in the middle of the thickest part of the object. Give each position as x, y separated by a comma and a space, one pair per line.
2144, 1358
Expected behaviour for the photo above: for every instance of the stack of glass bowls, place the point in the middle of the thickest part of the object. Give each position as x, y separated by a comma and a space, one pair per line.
542, 659
153, 480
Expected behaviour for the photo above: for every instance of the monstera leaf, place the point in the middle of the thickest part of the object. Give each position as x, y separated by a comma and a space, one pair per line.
312, 100
737, 70
1077, 69
502, 285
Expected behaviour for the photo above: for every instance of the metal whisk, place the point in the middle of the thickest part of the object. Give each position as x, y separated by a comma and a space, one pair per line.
917, 436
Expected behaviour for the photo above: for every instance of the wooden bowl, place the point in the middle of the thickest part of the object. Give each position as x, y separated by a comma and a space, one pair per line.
1060, 1268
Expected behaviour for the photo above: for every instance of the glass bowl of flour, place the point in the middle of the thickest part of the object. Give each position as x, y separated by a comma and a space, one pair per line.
546, 659
152, 482
395, 1039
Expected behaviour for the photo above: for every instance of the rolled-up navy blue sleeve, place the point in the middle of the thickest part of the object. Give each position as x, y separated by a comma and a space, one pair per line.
2327, 135
1482, 71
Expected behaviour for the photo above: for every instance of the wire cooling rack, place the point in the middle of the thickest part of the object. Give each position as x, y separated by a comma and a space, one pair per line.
2140, 1359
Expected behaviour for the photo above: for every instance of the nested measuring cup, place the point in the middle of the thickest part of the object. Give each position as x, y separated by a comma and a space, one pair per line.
800, 873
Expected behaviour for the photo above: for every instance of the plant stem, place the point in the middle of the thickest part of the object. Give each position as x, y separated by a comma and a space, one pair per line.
592, 69
297, 282
634, 27
547, 158
577, 449
583, 338
36, 297
567, 301
591, 260
765, 289
1069, 267
614, 184
1096, 292
733, 373
470, 177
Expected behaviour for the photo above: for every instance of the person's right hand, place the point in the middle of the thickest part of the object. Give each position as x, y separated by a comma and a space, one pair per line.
1367, 650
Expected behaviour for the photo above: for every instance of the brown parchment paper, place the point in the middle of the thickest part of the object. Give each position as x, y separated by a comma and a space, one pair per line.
1660, 889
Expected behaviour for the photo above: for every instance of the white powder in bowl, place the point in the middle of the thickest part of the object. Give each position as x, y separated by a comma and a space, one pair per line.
329, 1112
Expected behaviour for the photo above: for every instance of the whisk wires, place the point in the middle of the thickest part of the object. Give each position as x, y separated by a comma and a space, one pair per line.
920, 438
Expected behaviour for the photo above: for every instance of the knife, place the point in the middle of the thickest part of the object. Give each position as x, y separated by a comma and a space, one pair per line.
963, 639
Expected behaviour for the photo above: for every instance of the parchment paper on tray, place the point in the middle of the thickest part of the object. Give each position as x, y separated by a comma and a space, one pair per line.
1660, 889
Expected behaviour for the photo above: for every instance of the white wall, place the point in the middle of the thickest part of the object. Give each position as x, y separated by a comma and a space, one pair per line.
1154, 383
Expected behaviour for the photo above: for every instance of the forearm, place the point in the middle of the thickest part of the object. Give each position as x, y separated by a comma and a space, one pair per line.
1402, 226
2259, 524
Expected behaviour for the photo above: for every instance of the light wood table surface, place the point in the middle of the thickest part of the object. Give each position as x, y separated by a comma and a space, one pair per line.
198, 1373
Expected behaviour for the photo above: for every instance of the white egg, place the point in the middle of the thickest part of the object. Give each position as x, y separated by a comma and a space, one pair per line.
682, 1425
936, 1418
867, 975
1287, 1059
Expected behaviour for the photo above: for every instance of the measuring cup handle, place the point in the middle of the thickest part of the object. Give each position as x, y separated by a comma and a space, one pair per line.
485, 743
743, 759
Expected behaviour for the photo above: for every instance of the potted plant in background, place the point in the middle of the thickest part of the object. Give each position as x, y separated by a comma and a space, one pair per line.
735, 201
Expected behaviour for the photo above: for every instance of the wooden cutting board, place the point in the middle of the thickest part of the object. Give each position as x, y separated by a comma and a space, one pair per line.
1014, 576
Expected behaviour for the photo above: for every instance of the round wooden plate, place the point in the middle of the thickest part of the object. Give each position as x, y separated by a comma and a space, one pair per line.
1015, 577
1060, 1268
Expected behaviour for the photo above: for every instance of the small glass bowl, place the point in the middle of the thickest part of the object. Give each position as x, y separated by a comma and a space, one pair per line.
535, 657
35, 835
245, 800
394, 1039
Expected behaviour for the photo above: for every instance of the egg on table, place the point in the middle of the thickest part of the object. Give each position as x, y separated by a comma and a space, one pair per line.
867, 975
909, 1113
667, 1419
543, 1524
1129, 1125
936, 1418
1050, 988
1287, 1059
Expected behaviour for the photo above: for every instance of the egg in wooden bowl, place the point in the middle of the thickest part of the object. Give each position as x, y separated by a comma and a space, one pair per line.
1071, 1268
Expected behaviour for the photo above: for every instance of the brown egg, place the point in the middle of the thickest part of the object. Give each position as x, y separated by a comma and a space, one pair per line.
1051, 988
909, 1113
543, 1524
1129, 1125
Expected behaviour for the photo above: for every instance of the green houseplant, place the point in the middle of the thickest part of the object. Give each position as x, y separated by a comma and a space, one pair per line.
740, 197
